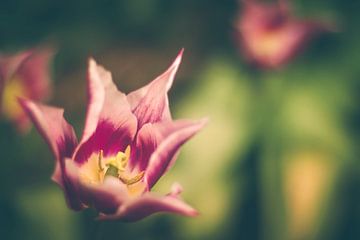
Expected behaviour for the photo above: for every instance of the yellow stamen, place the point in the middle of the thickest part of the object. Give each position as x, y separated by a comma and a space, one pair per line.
122, 160
130, 181
117, 161
101, 156
99, 167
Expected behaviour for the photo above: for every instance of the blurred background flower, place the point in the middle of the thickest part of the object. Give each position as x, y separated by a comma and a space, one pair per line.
279, 159
269, 34
27, 75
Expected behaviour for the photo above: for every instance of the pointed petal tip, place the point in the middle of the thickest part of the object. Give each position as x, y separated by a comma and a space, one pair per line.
91, 62
198, 125
204, 121
193, 213
21, 100
176, 189
95, 68
92, 66
178, 58
25, 103
201, 122
188, 211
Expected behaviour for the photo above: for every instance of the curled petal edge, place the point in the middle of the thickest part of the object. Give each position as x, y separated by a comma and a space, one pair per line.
163, 158
55, 130
150, 103
148, 204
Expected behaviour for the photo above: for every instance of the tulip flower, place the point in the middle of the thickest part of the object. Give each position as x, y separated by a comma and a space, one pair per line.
270, 36
26, 75
128, 143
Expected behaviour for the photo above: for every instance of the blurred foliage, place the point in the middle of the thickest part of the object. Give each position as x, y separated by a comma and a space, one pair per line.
279, 159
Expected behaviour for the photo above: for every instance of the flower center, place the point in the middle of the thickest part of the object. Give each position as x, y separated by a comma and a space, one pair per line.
97, 168
12, 89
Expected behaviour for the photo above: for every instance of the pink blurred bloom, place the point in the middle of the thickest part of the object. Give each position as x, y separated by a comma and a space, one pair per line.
26, 75
128, 143
270, 35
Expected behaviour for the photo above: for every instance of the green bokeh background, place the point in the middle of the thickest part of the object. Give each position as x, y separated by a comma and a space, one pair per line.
279, 159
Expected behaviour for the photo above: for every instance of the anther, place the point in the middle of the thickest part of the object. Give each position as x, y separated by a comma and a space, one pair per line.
121, 161
133, 180
101, 155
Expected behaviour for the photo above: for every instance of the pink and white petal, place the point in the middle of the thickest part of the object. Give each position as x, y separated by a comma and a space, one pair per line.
34, 72
150, 104
107, 137
110, 125
105, 197
55, 130
135, 97
96, 97
172, 136
71, 184
147, 204
148, 139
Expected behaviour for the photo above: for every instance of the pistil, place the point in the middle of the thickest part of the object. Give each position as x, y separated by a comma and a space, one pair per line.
112, 171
